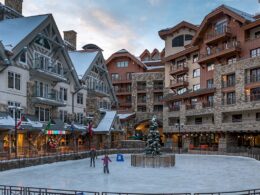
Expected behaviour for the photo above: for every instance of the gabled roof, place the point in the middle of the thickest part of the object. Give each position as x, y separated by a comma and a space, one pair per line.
82, 60
241, 16
19, 32
145, 52
154, 52
125, 53
23, 27
168, 31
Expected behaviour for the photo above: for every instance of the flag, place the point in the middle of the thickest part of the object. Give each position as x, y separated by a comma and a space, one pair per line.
19, 122
48, 126
90, 131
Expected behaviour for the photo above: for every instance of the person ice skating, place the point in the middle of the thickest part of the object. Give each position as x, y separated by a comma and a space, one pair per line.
93, 156
105, 163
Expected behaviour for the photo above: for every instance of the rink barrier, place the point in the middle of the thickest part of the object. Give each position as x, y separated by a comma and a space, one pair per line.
126, 193
18, 190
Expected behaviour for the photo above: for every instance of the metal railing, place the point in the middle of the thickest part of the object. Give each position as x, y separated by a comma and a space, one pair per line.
174, 108
190, 106
48, 66
230, 83
18, 190
207, 104
252, 79
51, 94
222, 31
252, 97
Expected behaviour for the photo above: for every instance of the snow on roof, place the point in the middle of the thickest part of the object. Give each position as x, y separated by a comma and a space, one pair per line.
241, 13
154, 67
13, 31
106, 123
6, 120
82, 60
124, 116
122, 51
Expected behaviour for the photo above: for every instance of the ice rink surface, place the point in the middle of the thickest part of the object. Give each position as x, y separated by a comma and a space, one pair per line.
192, 173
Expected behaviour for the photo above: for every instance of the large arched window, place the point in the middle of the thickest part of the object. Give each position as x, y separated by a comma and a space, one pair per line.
43, 42
178, 41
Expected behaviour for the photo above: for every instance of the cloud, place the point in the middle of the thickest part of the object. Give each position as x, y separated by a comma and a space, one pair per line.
154, 2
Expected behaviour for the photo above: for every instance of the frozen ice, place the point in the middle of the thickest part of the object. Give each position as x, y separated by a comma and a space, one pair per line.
192, 173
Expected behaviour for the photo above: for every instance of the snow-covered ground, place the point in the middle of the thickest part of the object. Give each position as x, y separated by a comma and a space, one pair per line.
192, 173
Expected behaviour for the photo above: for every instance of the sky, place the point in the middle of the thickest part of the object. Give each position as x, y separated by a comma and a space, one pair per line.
129, 24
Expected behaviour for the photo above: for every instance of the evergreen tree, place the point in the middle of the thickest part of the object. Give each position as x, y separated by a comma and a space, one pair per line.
153, 139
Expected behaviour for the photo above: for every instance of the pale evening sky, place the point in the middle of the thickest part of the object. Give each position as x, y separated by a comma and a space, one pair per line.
129, 24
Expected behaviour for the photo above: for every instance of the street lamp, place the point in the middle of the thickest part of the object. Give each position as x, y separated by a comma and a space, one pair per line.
15, 110
179, 126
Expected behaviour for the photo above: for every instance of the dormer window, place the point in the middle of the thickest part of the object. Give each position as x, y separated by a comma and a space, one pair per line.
221, 26
23, 57
43, 42
178, 41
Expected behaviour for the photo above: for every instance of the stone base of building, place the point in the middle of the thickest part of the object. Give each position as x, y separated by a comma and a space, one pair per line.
143, 160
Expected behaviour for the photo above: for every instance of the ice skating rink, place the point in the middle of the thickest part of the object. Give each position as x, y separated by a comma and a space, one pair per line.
192, 173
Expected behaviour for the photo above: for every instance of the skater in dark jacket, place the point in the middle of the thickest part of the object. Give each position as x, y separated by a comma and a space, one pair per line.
93, 156
106, 160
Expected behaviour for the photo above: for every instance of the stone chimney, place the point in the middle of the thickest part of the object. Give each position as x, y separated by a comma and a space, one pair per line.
16, 5
70, 38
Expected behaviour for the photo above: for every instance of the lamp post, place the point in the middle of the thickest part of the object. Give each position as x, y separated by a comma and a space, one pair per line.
15, 109
179, 126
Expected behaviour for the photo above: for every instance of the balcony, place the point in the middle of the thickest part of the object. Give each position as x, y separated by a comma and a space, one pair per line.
178, 84
207, 105
121, 79
126, 103
225, 50
252, 81
229, 101
158, 101
158, 88
179, 69
215, 36
123, 91
141, 88
190, 106
49, 71
98, 90
253, 97
174, 108
141, 101
51, 98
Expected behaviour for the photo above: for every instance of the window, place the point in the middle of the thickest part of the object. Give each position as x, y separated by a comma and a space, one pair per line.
221, 27
122, 64
196, 87
257, 34
181, 91
64, 115
198, 121
231, 80
236, 118
196, 73
210, 100
255, 52
210, 83
188, 37
195, 58
141, 108
14, 81
43, 114
80, 98
79, 118
158, 108
63, 94
12, 111
257, 116
42, 62
231, 98
181, 63
210, 67
23, 57
178, 41
232, 60
115, 76
129, 76
43, 42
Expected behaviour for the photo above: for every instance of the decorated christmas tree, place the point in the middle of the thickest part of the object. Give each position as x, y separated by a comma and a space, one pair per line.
153, 139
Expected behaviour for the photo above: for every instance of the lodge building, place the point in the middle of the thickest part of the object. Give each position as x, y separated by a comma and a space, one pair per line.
212, 81
138, 83
40, 83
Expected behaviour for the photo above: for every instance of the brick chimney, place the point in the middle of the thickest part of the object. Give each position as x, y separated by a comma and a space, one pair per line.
70, 38
16, 5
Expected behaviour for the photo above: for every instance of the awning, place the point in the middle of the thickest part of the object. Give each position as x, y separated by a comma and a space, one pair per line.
6, 121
